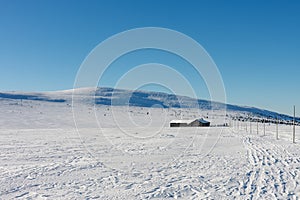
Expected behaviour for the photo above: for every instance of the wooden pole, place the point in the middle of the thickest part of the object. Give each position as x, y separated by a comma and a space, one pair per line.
264, 127
277, 136
294, 128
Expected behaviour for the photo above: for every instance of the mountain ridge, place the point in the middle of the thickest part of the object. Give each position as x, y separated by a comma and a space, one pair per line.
139, 98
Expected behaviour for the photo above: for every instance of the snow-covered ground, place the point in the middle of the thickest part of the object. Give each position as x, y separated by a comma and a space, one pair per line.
131, 153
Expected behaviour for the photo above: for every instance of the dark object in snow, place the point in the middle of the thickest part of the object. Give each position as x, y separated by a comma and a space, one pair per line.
190, 123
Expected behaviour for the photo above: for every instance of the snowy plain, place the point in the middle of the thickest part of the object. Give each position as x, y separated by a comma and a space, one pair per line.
130, 152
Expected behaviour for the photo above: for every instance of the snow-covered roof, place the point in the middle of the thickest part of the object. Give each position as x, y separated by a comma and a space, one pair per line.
203, 121
188, 121
182, 121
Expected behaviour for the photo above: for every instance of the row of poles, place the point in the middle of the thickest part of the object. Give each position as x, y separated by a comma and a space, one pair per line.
277, 134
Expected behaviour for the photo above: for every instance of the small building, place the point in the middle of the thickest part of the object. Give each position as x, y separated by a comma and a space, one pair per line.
190, 123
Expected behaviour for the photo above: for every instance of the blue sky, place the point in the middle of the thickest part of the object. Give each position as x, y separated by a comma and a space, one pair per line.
255, 44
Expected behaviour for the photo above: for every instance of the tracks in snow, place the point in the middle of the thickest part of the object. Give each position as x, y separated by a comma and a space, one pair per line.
270, 175
57, 168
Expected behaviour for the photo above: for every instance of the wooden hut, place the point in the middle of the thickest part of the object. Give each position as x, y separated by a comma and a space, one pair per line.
190, 123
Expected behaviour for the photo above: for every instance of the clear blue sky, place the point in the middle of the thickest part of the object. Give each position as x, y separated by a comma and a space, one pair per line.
255, 44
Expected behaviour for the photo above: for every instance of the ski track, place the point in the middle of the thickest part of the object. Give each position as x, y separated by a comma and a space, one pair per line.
270, 174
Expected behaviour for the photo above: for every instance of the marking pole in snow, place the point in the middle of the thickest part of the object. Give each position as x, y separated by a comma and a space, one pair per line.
294, 128
277, 137
264, 127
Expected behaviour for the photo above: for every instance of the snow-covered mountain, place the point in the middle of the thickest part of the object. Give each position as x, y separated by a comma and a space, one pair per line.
138, 98
53, 147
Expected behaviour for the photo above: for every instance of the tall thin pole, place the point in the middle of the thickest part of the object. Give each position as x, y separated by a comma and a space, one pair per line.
277, 136
294, 128
264, 127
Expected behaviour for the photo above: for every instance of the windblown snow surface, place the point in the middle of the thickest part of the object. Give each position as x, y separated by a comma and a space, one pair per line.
129, 152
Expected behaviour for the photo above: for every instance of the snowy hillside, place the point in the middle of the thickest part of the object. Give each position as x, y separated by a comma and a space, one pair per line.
51, 149
118, 97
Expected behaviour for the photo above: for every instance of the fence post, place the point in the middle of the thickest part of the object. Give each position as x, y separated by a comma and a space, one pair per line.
294, 128
264, 127
277, 137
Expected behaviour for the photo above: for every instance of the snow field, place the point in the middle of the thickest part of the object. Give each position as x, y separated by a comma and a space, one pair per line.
44, 156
